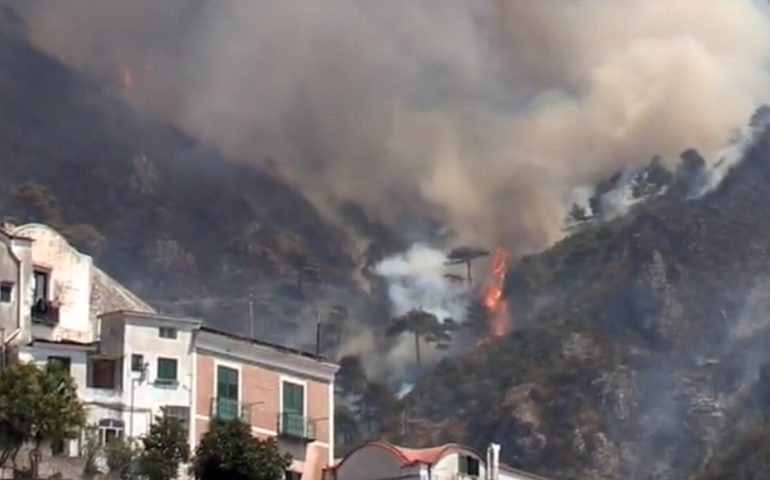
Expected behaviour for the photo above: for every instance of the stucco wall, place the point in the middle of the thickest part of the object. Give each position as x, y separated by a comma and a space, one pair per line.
142, 337
9, 272
70, 280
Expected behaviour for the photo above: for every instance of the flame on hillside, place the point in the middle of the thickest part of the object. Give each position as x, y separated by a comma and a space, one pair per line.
493, 294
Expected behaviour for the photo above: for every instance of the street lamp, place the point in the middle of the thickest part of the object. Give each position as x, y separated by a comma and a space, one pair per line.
134, 381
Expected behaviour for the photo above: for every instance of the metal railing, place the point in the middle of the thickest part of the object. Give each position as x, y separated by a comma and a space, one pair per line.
45, 312
296, 426
228, 409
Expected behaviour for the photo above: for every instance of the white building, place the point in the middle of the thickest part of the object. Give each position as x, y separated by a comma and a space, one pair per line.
56, 305
380, 460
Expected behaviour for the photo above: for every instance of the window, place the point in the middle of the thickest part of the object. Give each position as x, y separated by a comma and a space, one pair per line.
102, 373
227, 393
6, 292
137, 362
292, 475
166, 371
180, 414
60, 362
293, 420
167, 332
468, 466
41, 285
110, 430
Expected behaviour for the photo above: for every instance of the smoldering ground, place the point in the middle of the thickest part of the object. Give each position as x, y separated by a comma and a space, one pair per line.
490, 111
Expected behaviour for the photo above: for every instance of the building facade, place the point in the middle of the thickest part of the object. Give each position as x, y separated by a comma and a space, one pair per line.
131, 364
280, 392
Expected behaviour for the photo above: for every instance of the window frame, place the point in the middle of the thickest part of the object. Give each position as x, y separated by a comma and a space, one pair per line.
165, 380
134, 358
91, 371
168, 333
6, 288
46, 273
464, 463
66, 362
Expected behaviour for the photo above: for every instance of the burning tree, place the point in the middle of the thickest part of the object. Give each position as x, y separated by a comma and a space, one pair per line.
423, 325
466, 255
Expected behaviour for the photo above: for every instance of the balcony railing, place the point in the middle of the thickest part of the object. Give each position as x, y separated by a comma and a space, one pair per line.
296, 426
45, 312
228, 409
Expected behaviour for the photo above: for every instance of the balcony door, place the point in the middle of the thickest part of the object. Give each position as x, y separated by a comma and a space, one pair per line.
293, 411
227, 393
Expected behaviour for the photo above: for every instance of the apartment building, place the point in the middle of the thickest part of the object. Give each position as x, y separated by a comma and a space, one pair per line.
131, 363
280, 392
380, 460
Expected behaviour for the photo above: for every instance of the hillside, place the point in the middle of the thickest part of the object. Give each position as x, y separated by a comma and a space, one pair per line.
168, 216
639, 343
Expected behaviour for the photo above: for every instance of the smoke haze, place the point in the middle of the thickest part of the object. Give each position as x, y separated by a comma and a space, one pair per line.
491, 111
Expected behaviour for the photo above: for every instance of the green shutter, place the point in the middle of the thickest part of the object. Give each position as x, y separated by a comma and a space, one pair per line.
293, 398
167, 369
227, 383
227, 393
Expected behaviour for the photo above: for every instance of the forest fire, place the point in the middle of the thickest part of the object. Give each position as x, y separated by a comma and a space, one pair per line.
493, 294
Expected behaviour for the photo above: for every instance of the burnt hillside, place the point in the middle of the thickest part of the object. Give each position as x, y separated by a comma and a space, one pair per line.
640, 343
163, 213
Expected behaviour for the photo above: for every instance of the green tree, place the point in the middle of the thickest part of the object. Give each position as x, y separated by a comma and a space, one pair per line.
165, 448
37, 406
228, 450
424, 325
122, 458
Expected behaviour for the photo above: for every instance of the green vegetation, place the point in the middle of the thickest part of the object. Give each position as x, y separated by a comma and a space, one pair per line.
228, 450
38, 406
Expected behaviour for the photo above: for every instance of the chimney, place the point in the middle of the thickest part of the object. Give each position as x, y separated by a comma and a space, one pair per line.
493, 462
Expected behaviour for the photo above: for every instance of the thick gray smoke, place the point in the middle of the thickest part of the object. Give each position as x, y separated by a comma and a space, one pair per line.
490, 110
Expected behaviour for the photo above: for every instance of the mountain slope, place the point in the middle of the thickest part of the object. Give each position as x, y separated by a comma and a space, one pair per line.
638, 339
161, 212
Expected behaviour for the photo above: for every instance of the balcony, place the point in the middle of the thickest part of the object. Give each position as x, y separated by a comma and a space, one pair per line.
296, 426
227, 409
45, 312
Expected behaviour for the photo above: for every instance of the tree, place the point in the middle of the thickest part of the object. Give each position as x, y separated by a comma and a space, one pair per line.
122, 458
165, 448
466, 255
228, 450
37, 406
91, 449
423, 325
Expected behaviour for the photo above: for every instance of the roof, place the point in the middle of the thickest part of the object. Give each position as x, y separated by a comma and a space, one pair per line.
281, 348
151, 316
412, 456
519, 473
63, 343
6, 230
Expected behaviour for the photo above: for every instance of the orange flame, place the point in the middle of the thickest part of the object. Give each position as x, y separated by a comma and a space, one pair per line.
493, 294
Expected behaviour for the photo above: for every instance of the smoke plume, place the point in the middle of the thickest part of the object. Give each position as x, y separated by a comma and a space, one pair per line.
416, 281
491, 111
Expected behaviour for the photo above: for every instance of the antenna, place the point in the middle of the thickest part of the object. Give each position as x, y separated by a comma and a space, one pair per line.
318, 338
251, 315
